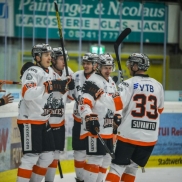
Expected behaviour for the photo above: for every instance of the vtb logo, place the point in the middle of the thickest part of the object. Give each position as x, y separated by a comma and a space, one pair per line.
3, 10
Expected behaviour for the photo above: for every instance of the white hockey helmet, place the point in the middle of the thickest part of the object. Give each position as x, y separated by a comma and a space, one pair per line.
58, 51
90, 57
106, 60
38, 49
140, 59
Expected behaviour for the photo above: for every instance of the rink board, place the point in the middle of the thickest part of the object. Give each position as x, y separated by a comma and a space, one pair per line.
167, 152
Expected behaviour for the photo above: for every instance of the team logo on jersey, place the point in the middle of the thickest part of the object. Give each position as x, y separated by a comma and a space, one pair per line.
48, 106
29, 76
109, 118
145, 125
135, 86
57, 108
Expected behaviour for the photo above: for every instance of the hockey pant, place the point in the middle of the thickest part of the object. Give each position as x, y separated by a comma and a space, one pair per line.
96, 167
34, 166
51, 171
79, 163
128, 171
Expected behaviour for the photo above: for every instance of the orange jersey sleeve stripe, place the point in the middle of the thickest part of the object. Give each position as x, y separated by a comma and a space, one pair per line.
77, 119
160, 110
127, 177
57, 125
134, 142
39, 170
20, 121
54, 164
24, 89
112, 177
88, 102
102, 170
79, 164
24, 173
118, 103
91, 168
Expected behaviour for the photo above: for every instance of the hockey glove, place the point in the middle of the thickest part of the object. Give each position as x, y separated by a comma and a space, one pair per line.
92, 89
71, 85
92, 123
116, 123
55, 85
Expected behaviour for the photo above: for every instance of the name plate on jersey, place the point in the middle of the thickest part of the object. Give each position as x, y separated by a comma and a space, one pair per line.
145, 125
92, 144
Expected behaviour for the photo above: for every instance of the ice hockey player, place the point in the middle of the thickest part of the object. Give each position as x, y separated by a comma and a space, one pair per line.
96, 115
57, 117
142, 101
34, 112
89, 63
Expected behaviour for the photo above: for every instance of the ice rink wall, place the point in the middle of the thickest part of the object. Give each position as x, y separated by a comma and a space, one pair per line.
167, 152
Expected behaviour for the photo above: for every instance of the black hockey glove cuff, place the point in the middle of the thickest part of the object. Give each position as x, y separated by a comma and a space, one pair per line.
92, 89
71, 85
92, 123
116, 123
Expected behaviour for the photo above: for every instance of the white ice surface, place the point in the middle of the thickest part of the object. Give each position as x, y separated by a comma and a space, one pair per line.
151, 175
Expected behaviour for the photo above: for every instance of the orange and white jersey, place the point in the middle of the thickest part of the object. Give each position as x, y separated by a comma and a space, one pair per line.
89, 106
59, 100
142, 101
79, 78
36, 105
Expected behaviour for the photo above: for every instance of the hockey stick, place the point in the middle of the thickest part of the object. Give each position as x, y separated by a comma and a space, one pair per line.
118, 41
104, 144
9, 82
60, 169
61, 36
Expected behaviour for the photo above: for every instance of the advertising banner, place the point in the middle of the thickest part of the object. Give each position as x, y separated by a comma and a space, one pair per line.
6, 18
39, 20
168, 150
170, 135
5, 140
16, 149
